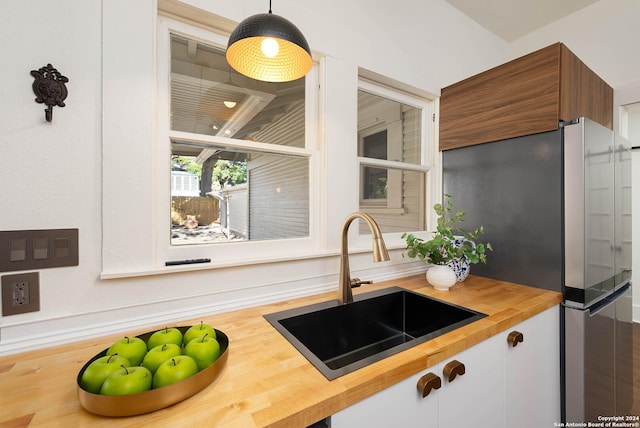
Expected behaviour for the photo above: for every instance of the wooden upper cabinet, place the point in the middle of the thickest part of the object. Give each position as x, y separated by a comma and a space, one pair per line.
525, 96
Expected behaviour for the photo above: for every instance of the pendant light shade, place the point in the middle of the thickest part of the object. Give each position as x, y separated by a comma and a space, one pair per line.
269, 47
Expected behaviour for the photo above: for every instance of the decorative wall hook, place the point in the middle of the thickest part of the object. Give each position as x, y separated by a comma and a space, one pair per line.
49, 87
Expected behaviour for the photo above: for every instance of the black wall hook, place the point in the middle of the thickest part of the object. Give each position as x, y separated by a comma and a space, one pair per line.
49, 87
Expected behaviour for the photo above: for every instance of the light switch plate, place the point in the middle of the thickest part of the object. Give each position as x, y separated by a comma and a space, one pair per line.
38, 249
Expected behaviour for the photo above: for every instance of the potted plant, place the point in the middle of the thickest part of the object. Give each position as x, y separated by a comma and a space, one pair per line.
451, 247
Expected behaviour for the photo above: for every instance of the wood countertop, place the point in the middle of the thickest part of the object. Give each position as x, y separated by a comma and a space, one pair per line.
266, 381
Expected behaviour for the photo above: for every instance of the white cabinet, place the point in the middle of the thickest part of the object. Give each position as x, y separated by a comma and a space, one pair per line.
532, 372
502, 386
397, 406
475, 399
471, 399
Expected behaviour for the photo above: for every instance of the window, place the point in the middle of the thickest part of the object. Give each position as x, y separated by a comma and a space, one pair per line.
242, 142
235, 158
393, 157
172, 135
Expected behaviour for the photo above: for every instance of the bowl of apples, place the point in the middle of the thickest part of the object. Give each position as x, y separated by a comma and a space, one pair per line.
141, 374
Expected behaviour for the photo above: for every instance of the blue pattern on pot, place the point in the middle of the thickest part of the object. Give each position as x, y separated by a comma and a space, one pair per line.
461, 266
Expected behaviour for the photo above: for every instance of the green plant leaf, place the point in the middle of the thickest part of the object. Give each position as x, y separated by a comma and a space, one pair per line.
441, 248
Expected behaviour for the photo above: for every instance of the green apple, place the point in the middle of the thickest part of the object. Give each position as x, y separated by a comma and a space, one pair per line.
132, 348
160, 354
94, 375
198, 330
127, 380
204, 351
166, 335
174, 370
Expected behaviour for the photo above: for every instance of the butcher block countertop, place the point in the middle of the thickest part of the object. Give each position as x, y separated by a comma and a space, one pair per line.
266, 381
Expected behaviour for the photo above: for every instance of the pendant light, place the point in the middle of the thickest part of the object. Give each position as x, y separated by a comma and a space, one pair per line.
269, 47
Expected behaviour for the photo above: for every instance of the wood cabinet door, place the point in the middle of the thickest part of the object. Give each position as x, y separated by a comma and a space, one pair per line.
520, 97
525, 96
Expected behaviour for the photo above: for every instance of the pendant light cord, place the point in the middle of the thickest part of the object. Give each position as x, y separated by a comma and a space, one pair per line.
269, 6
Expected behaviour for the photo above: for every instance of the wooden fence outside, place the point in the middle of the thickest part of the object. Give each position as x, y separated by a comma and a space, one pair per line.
206, 209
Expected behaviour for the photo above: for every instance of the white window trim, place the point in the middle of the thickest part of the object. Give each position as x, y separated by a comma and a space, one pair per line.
233, 253
135, 241
430, 159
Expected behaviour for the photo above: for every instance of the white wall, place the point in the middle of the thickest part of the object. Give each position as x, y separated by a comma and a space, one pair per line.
52, 172
55, 175
604, 36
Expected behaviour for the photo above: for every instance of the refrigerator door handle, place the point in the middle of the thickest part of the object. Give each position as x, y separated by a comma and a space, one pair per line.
600, 305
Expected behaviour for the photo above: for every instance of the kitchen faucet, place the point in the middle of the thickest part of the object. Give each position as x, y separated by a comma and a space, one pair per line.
380, 254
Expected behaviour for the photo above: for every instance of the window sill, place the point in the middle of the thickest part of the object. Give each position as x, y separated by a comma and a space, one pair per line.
211, 265
163, 270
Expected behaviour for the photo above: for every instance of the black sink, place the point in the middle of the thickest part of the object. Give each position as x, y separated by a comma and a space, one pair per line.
338, 339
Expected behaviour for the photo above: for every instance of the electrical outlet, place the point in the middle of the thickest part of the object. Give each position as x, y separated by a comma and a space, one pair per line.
20, 293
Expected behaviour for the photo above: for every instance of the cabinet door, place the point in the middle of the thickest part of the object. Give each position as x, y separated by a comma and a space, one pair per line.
475, 399
525, 96
532, 372
397, 406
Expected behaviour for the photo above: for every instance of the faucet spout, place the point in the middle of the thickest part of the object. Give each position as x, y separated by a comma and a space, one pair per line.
380, 253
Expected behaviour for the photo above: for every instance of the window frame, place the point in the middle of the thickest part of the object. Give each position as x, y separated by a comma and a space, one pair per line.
228, 253
135, 237
429, 155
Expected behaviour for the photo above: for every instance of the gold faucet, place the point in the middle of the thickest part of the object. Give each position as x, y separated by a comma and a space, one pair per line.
380, 254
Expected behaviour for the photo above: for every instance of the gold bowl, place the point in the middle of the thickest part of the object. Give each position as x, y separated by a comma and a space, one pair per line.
154, 399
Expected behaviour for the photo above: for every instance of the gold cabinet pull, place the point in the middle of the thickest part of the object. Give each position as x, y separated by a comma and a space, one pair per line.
453, 369
514, 338
428, 382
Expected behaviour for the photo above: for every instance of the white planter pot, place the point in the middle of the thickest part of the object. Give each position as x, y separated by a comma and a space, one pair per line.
442, 277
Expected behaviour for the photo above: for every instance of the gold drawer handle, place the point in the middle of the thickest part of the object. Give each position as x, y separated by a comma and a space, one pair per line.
514, 338
453, 369
428, 382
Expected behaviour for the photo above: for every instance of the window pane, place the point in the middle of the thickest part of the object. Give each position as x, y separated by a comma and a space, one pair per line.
219, 194
208, 97
398, 125
392, 188
375, 145
375, 183
375, 179
404, 208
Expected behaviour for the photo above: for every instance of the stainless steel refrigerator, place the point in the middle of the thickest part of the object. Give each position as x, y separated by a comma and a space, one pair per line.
556, 206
